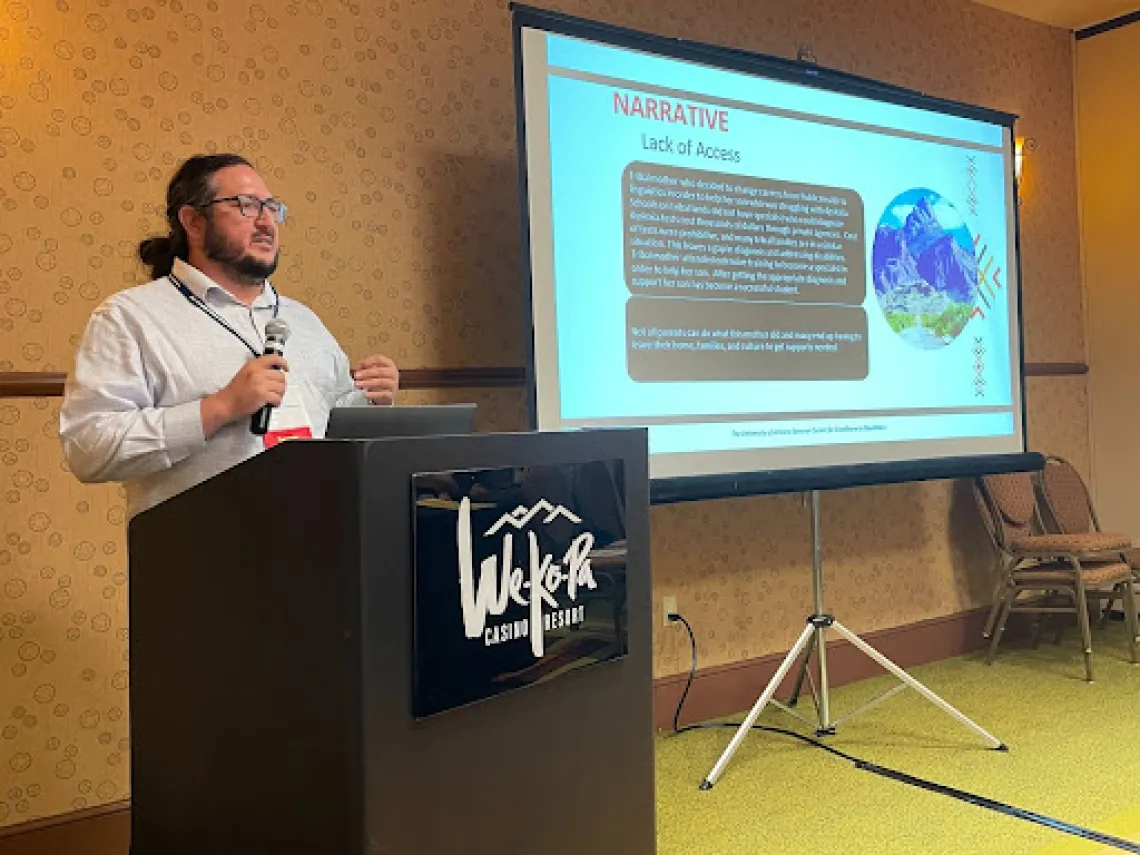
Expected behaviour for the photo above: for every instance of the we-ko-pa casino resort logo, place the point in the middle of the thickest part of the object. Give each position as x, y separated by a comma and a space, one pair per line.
519, 577
520, 573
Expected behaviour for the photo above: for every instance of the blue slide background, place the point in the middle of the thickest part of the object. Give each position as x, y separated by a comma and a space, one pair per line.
591, 146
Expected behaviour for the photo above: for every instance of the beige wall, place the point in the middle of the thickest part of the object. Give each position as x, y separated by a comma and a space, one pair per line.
389, 128
1108, 78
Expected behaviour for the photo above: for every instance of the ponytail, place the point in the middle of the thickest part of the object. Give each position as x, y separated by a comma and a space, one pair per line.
158, 253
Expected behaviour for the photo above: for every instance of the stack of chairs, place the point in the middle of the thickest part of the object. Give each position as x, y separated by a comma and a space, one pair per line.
1054, 556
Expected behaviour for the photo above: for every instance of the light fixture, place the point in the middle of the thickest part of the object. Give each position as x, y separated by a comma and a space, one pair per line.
1021, 147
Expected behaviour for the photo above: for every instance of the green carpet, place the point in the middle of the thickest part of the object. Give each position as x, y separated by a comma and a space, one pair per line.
1073, 756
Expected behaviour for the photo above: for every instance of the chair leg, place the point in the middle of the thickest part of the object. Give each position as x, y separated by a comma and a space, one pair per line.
1130, 619
1055, 620
998, 600
1006, 607
1083, 619
1106, 612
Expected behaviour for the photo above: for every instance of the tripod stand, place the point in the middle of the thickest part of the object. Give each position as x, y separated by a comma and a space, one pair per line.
812, 639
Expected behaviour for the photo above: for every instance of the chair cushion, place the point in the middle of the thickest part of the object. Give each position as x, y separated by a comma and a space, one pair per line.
1095, 574
1013, 495
1066, 496
1091, 541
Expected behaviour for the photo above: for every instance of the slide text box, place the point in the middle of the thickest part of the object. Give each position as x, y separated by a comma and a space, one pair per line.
681, 340
693, 233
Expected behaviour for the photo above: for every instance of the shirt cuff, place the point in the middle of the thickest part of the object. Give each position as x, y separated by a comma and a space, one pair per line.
182, 430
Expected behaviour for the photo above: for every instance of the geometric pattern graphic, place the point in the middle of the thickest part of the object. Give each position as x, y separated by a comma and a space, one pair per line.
979, 350
389, 128
972, 185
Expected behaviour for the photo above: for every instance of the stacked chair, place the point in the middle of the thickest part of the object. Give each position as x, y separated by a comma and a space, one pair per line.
1054, 556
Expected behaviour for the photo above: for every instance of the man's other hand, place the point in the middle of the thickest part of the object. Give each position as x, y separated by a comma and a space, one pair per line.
378, 378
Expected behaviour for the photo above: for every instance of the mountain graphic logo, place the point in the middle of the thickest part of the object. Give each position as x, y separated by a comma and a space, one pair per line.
925, 269
521, 516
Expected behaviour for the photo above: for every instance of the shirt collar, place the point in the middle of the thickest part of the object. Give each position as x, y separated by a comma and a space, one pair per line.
201, 285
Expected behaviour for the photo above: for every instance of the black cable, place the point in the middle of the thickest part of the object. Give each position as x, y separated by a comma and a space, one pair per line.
692, 671
892, 774
1001, 807
716, 725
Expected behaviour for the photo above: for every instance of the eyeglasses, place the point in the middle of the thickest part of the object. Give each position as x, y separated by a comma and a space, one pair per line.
251, 207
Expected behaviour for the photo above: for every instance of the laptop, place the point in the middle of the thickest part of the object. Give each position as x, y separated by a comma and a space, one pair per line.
380, 422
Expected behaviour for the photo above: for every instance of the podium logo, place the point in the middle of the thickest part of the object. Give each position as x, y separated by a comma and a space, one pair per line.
547, 585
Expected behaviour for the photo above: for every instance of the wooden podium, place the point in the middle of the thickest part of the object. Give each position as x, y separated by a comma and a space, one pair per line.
290, 616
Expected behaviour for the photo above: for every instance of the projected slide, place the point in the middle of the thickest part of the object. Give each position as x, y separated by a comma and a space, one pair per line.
767, 275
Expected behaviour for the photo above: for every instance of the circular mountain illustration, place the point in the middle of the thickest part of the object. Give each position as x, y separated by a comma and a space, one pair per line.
925, 269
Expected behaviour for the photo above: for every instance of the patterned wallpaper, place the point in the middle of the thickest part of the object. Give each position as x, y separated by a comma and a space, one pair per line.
63, 625
388, 125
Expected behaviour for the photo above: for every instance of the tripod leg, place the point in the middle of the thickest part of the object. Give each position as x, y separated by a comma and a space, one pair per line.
758, 707
805, 666
886, 663
999, 589
822, 707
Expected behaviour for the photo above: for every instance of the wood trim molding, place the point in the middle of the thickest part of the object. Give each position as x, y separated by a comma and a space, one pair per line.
1055, 369
724, 690
462, 378
103, 830
31, 384
49, 384
112, 808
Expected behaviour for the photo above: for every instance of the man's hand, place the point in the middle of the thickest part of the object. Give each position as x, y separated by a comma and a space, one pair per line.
260, 381
378, 377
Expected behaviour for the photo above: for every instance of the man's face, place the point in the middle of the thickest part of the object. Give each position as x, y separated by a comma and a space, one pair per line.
246, 245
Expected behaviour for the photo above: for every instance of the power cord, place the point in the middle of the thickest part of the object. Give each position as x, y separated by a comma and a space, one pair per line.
676, 618
892, 774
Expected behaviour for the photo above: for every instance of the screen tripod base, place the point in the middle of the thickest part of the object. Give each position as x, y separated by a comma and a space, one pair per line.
813, 641
812, 638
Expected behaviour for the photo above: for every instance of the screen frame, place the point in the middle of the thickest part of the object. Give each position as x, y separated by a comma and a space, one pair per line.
759, 482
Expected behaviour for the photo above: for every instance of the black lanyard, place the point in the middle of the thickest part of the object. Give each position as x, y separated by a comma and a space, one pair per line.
198, 302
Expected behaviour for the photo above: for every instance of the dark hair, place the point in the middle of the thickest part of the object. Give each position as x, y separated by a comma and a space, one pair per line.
191, 185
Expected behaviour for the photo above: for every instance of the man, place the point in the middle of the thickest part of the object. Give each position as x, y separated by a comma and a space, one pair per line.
169, 373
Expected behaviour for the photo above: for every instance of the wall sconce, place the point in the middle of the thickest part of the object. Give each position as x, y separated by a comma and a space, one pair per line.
1021, 147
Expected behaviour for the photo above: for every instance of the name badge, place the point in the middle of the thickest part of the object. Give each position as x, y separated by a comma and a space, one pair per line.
290, 420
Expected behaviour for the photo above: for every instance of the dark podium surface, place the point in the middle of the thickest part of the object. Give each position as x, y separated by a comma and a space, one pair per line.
272, 655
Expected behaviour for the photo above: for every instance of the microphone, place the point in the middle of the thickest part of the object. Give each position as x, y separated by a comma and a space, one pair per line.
276, 331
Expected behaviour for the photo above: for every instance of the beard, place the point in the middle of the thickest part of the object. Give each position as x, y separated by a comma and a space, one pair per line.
233, 256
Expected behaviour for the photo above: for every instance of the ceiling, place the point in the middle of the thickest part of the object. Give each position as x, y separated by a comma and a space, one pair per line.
1070, 14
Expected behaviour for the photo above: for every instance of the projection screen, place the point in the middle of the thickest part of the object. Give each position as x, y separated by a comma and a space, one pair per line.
776, 269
